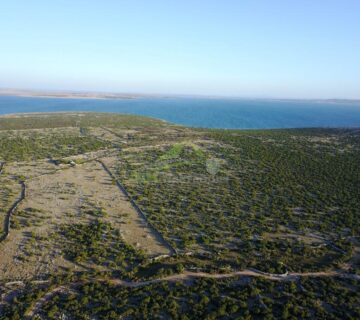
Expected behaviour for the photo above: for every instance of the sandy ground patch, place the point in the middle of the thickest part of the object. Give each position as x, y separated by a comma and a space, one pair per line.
30, 169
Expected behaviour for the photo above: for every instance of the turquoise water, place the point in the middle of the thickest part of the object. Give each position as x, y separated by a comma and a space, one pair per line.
212, 113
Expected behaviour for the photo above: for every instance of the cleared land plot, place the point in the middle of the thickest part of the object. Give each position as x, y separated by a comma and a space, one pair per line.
68, 196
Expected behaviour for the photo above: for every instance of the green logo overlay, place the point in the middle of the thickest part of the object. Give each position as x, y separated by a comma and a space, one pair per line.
175, 161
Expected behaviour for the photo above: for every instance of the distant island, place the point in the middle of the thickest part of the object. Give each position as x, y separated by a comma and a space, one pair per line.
64, 94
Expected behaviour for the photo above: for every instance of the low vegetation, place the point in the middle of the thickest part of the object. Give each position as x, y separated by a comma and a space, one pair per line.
278, 203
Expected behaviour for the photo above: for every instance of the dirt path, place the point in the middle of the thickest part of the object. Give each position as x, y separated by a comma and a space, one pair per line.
38, 305
185, 276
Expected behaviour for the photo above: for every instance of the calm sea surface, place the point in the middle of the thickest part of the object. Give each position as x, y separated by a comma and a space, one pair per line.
212, 113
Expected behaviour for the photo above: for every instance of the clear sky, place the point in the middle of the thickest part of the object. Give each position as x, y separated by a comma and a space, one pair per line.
245, 48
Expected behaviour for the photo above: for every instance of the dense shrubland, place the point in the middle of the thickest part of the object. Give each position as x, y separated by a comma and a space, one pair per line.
290, 196
97, 243
39, 146
242, 298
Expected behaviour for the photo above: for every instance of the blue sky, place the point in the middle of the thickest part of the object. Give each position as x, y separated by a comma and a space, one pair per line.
245, 48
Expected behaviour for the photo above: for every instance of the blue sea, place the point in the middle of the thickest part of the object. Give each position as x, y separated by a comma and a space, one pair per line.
201, 112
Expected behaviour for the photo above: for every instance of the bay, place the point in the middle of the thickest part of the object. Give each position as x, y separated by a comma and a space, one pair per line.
201, 112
